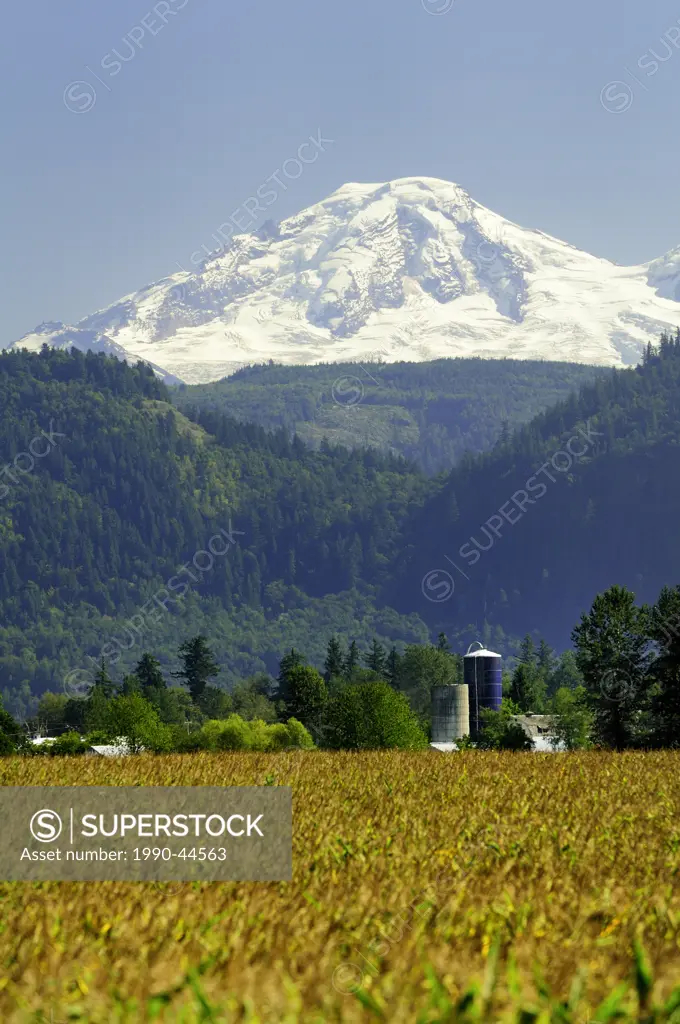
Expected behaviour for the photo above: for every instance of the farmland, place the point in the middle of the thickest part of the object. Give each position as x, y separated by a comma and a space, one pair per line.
417, 878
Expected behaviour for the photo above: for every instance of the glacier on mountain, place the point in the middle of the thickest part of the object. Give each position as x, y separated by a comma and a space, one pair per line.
412, 269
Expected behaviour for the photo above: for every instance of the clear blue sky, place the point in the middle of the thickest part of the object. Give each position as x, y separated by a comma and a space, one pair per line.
503, 98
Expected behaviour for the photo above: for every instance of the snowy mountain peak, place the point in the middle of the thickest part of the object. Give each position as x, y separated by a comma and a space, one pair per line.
409, 269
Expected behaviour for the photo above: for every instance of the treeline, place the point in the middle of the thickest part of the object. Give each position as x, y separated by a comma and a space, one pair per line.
431, 413
619, 689
354, 703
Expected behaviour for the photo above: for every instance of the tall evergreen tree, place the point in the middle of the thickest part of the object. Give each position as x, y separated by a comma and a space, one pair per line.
393, 668
545, 658
334, 663
288, 662
527, 651
528, 688
376, 658
352, 660
664, 621
198, 665
611, 651
148, 671
103, 681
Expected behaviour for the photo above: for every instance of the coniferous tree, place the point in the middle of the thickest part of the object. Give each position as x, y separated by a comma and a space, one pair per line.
393, 668
352, 660
612, 644
334, 663
528, 688
376, 658
103, 681
527, 651
664, 629
148, 671
198, 665
131, 684
545, 658
288, 662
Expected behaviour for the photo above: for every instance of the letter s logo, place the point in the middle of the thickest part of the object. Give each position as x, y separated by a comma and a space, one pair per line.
45, 826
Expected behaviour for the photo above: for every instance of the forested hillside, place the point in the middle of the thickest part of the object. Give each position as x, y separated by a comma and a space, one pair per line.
585, 496
429, 412
126, 525
135, 525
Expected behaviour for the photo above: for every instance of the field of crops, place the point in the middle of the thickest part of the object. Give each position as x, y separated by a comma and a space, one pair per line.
426, 888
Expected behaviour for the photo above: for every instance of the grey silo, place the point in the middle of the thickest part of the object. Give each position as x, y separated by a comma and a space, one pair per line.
450, 713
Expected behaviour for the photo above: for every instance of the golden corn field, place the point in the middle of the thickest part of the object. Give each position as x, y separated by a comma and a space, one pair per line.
474, 887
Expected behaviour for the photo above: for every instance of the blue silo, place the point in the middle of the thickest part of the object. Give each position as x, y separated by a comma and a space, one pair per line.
483, 674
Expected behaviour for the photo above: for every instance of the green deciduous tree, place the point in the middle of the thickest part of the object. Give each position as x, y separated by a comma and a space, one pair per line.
499, 731
251, 699
12, 737
308, 697
422, 667
136, 720
50, 718
373, 715
573, 718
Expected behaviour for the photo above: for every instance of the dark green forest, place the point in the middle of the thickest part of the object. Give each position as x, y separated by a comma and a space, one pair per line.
428, 412
106, 538
129, 525
585, 496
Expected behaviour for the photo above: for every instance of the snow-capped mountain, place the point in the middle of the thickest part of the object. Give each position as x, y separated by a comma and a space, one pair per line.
413, 269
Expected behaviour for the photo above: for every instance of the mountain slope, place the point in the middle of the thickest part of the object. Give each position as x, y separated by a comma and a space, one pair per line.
136, 526
413, 269
428, 412
585, 496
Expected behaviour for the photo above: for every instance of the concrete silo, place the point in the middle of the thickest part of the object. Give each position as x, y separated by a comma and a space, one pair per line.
450, 713
482, 673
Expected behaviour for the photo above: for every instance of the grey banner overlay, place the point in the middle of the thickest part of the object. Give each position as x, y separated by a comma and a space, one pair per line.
155, 833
